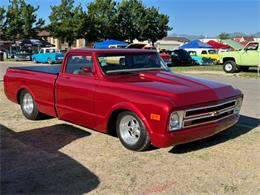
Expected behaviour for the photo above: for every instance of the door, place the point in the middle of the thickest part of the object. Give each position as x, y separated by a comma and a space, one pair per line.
250, 55
75, 90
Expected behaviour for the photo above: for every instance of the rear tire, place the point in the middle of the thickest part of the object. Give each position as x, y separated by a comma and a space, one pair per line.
132, 132
29, 107
230, 66
34, 60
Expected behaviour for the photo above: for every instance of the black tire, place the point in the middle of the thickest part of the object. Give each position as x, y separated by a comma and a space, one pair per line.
31, 115
142, 141
243, 68
230, 66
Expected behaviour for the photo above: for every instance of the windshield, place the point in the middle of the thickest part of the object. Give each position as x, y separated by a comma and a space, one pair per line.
118, 63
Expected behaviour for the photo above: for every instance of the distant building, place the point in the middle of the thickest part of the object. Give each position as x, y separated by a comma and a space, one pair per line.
243, 39
257, 39
170, 43
61, 43
205, 40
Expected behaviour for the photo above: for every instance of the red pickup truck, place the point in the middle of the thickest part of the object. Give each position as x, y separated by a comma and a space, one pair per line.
130, 93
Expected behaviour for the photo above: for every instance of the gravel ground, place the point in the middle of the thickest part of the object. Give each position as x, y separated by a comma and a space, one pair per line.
55, 157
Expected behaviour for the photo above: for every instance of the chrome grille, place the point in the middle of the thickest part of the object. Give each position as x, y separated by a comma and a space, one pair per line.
207, 114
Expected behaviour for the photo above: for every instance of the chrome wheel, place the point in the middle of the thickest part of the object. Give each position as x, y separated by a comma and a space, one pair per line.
129, 128
228, 67
28, 104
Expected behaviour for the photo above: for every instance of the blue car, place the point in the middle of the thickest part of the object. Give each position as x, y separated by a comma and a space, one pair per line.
48, 55
200, 60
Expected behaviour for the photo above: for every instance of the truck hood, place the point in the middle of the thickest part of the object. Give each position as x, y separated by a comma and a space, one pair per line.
182, 90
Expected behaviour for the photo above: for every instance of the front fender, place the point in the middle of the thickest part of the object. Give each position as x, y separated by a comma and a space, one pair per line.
132, 108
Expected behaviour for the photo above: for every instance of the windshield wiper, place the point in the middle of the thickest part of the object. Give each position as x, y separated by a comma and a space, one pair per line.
133, 70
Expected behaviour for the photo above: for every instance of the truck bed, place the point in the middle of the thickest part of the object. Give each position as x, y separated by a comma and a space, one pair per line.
44, 69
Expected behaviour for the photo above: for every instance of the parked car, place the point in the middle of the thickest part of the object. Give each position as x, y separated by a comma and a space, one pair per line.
141, 100
48, 55
199, 60
23, 56
166, 57
206, 52
180, 57
241, 60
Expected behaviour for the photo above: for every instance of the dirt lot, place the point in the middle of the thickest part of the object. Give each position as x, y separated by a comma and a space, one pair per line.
55, 157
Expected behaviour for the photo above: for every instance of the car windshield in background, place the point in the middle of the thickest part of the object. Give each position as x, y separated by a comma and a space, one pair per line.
212, 52
131, 63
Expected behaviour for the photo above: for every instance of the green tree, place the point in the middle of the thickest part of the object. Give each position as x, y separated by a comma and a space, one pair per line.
30, 24
2, 22
2, 17
21, 20
67, 21
101, 20
155, 25
223, 35
129, 19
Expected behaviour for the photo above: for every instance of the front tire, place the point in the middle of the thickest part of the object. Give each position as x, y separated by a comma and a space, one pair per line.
34, 60
29, 107
230, 66
132, 132
49, 61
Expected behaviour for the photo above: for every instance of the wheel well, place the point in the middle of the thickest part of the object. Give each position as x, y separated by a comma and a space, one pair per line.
111, 126
18, 95
227, 59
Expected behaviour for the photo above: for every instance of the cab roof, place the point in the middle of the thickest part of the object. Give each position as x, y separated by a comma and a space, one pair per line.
111, 51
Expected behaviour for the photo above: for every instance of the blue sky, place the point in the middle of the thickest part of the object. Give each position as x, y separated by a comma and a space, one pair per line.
197, 17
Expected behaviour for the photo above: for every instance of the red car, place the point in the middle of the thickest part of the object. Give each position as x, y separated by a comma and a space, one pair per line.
128, 92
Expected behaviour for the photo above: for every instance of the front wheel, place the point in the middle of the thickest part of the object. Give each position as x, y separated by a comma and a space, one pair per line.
29, 107
132, 132
230, 66
34, 60
49, 61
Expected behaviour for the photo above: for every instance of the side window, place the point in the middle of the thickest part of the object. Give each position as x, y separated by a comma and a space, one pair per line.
204, 52
41, 51
252, 46
77, 63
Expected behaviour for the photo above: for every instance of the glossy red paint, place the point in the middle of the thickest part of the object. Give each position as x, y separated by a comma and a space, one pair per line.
90, 100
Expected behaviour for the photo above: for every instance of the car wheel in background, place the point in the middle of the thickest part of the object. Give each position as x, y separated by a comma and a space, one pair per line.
49, 61
132, 132
34, 60
29, 107
230, 66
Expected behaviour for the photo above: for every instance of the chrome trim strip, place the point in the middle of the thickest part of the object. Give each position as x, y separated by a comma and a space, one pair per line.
204, 123
209, 114
205, 107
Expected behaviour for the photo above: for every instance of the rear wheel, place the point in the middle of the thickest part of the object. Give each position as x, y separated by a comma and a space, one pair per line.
132, 132
34, 60
230, 66
29, 107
